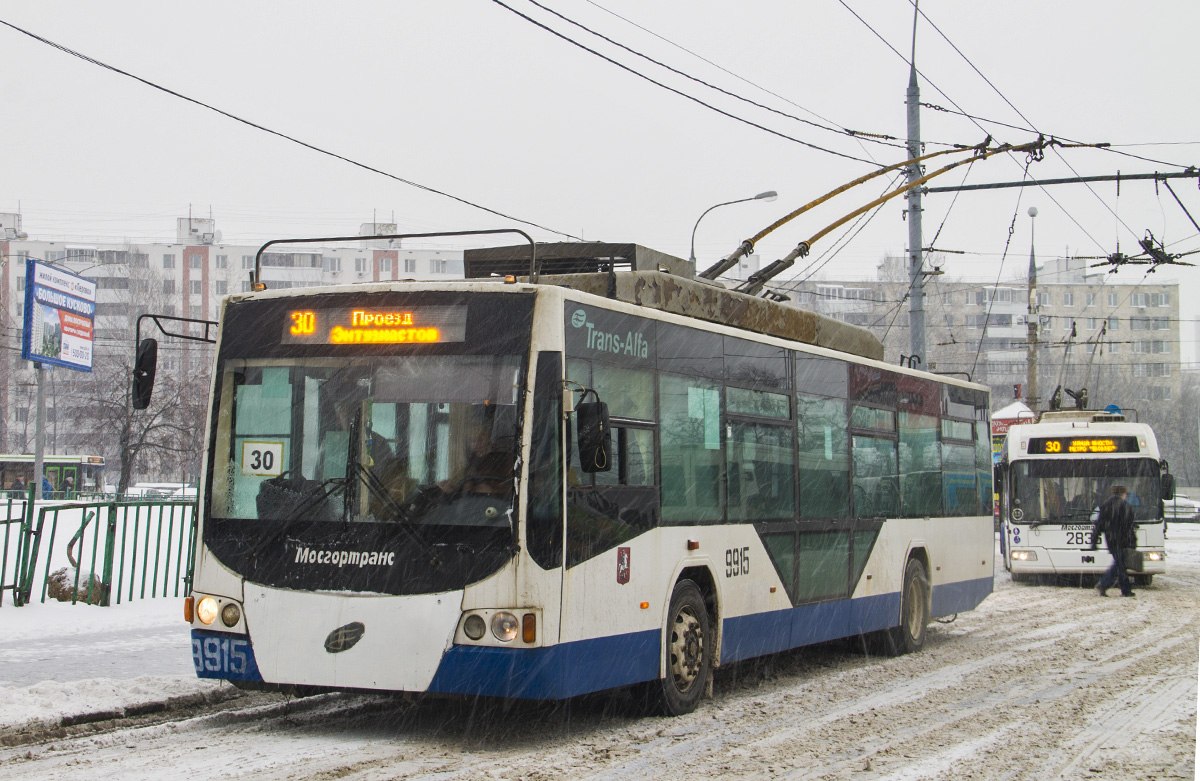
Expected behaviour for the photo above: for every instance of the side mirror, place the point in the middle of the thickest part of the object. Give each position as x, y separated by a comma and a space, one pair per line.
1168, 486
143, 373
594, 435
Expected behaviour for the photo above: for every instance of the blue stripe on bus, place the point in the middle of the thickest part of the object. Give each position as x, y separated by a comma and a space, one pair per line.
960, 597
571, 669
555, 672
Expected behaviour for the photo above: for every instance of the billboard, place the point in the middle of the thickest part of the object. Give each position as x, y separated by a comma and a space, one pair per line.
60, 313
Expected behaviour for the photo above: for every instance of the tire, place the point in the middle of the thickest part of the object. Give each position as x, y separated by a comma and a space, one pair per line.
909, 636
687, 652
1142, 580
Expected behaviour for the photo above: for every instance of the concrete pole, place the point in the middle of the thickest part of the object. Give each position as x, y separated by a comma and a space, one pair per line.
916, 305
1031, 381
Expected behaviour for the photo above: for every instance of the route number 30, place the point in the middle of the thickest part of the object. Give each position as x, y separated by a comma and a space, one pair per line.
262, 459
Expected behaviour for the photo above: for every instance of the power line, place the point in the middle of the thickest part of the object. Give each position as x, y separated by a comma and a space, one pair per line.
263, 128
878, 138
680, 93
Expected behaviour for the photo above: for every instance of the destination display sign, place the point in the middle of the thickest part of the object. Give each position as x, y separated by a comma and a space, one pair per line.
367, 325
1051, 446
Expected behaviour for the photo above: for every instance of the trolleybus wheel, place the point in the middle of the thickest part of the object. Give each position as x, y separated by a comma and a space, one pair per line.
688, 650
914, 613
1143, 580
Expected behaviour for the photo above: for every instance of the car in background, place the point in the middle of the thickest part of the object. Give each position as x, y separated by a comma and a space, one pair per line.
1181, 509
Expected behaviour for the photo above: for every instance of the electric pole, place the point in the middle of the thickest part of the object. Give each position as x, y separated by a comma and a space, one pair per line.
916, 304
1031, 383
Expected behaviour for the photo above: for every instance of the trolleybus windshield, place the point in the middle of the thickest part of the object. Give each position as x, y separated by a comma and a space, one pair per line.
368, 466
1068, 490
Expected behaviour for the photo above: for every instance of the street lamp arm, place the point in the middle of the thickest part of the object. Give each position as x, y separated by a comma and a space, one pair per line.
769, 195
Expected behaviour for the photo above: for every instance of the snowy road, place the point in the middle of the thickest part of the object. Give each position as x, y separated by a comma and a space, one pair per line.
1040, 682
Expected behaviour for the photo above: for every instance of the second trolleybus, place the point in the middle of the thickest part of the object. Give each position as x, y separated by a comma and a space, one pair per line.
1055, 473
537, 490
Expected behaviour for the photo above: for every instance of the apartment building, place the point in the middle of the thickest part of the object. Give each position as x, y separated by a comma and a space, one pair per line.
1117, 335
184, 278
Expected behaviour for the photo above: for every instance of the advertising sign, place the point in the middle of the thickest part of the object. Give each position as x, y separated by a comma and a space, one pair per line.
60, 313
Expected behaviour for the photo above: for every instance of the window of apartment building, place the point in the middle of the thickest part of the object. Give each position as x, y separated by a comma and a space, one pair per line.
221, 287
197, 262
245, 287
22, 414
385, 265
410, 265
20, 284
1160, 299
1090, 300
1068, 299
1043, 299
1160, 323
1092, 323
169, 309
1140, 300
360, 265
247, 262
1139, 324
197, 286
1113, 298
168, 261
1114, 348
168, 287
1159, 392
1114, 323
438, 266
222, 261
331, 263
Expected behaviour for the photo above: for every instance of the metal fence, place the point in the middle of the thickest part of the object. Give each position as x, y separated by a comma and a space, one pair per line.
97, 552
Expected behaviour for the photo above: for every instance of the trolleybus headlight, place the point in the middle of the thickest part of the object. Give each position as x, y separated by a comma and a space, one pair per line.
231, 614
474, 627
1024, 555
206, 610
505, 627
1155, 555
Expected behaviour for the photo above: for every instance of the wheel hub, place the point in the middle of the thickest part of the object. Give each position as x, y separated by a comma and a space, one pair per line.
687, 649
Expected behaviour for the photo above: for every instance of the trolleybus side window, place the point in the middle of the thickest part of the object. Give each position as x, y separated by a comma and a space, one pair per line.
690, 427
821, 422
607, 508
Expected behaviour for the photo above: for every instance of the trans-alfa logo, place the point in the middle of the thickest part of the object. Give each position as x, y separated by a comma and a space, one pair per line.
632, 343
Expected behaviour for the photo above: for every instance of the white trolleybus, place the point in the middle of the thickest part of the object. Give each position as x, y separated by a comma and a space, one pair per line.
542, 487
1053, 476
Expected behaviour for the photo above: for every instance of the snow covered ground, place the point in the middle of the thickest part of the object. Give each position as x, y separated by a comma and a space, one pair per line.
1041, 681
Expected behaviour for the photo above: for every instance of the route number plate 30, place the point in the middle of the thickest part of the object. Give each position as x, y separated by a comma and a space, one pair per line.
224, 656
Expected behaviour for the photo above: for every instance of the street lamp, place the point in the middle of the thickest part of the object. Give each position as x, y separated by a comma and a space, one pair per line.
769, 195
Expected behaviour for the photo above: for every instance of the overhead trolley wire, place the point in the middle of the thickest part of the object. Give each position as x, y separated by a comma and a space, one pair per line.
680, 93
878, 138
279, 134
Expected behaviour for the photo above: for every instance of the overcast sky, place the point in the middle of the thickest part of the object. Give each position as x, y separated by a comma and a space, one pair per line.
467, 98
